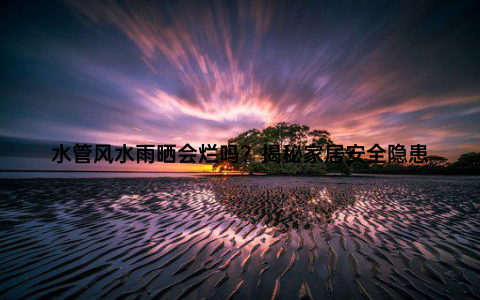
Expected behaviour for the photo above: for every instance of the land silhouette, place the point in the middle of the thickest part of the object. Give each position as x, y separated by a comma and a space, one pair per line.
299, 139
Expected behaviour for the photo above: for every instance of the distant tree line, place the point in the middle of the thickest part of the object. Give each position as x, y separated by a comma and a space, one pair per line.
284, 134
467, 164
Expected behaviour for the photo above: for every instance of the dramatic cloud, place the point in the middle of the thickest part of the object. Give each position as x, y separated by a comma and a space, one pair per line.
199, 72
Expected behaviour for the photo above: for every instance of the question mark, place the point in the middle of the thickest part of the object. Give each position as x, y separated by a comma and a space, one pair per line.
248, 152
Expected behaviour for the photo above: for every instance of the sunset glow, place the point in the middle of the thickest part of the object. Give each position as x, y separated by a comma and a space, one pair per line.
193, 72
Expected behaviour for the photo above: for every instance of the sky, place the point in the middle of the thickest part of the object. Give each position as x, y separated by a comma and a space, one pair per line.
196, 72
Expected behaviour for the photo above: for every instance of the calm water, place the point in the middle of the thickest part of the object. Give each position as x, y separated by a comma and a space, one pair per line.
262, 237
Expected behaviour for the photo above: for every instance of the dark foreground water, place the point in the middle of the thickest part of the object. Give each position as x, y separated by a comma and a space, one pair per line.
263, 237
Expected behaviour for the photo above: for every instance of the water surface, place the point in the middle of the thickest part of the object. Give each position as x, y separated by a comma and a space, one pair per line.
261, 237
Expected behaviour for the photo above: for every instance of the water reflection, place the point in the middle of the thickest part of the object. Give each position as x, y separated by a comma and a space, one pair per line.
261, 237
284, 206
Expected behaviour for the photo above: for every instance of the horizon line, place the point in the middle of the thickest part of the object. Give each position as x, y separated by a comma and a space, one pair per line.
101, 171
